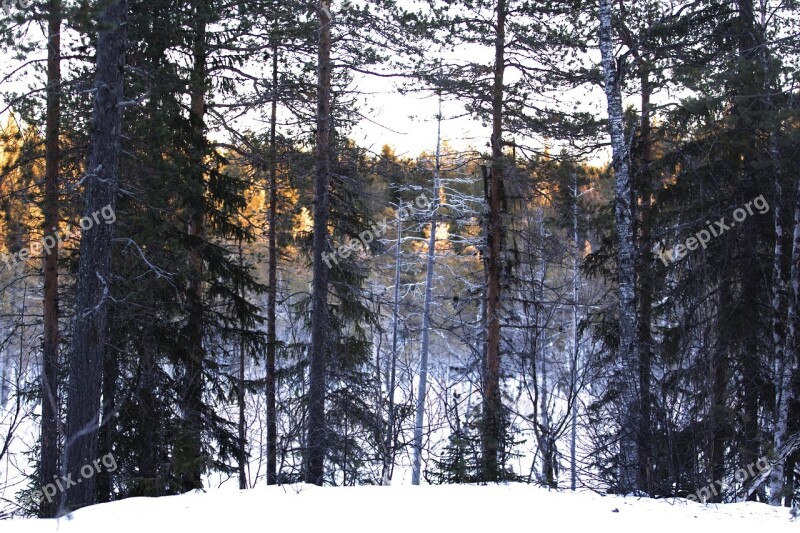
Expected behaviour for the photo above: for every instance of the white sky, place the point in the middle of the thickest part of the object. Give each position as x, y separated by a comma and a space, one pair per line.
408, 122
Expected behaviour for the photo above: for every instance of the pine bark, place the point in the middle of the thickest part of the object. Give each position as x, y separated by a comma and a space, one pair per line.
492, 426
272, 283
48, 467
645, 288
320, 318
240, 393
86, 363
109, 408
193, 381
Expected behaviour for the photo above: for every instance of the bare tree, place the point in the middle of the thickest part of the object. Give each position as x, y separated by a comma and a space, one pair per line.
426, 313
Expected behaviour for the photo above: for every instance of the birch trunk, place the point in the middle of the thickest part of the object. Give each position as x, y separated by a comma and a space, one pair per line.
624, 214
389, 443
426, 315
786, 365
546, 442
784, 340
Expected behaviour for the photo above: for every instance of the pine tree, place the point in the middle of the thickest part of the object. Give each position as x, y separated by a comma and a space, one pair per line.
48, 467
87, 361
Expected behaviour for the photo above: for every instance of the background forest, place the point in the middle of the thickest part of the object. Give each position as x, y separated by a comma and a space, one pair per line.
205, 276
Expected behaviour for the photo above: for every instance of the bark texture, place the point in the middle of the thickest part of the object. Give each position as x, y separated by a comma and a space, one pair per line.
492, 402
50, 364
426, 322
86, 363
272, 289
320, 319
625, 216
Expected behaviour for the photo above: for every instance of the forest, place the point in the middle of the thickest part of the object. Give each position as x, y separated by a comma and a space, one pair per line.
375, 242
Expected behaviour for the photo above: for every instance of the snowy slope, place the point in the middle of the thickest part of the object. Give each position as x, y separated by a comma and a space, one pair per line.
454, 508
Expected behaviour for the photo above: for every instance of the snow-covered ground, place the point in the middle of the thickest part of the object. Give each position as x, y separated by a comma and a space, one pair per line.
424, 509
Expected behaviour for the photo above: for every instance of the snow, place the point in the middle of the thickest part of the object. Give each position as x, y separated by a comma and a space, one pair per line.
451, 508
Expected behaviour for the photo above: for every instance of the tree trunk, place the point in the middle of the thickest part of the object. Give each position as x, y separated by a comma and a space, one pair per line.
426, 316
576, 338
240, 397
719, 363
624, 214
546, 441
388, 463
193, 382
85, 368
48, 467
777, 477
320, 326
492, 426
272, 290
783, 334
645, 290
105, 487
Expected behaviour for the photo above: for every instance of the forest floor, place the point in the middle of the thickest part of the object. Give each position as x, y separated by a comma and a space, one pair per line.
451, 508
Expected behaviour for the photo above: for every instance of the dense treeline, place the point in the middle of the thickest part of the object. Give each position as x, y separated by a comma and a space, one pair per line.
205, 277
